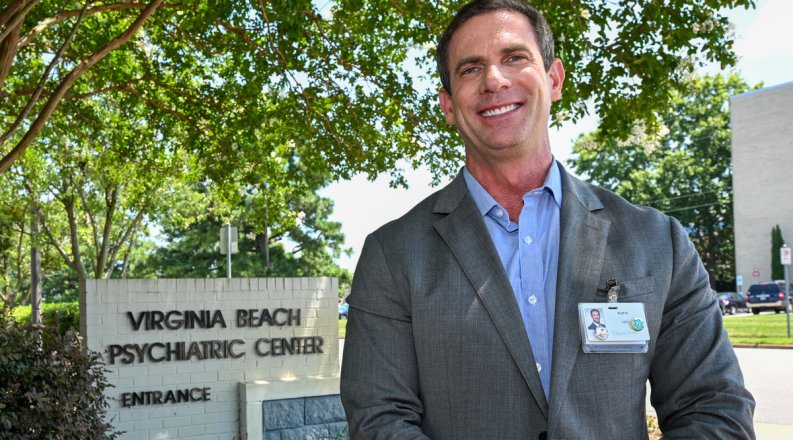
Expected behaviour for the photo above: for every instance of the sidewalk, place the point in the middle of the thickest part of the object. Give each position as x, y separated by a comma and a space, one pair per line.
771, 431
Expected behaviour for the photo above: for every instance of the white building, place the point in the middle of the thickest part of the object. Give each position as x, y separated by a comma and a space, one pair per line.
762, 157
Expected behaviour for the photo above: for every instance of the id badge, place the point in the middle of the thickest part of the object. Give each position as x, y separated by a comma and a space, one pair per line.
613, 327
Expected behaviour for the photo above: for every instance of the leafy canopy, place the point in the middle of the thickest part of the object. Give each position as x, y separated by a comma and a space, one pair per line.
349, 85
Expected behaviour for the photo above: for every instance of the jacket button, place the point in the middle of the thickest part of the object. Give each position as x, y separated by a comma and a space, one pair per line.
543, 436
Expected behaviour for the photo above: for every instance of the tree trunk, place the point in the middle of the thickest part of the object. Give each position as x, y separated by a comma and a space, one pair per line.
263, 245
35, 272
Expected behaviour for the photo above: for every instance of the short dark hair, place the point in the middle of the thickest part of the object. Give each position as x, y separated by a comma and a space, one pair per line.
477, 7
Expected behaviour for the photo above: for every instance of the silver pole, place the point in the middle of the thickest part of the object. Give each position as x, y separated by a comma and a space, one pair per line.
228, 250
787, 300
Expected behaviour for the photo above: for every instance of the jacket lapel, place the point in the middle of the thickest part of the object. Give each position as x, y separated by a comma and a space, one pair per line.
582, 247
465, 233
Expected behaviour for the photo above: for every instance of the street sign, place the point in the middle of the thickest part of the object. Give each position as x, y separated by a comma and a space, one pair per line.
739, 279
784, 253
224, 240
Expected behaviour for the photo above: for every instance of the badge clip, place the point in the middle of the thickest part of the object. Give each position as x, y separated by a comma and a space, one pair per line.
613, 290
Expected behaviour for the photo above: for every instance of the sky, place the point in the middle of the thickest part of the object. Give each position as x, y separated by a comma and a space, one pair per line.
763, 39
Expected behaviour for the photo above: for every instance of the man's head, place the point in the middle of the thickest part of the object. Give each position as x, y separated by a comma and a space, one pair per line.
500, 86
595, 316
477, 7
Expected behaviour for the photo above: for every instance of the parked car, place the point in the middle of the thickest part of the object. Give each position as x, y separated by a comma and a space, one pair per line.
344, 310
766, 296
731, 303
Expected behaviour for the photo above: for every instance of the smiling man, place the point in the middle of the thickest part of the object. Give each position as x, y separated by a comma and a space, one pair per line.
464, 313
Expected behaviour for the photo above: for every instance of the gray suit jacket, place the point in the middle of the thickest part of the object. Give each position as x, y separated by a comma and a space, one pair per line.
436, 348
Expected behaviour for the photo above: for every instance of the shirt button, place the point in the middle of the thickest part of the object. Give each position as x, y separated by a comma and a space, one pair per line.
532, 300
527, 240
539, 367
499, 213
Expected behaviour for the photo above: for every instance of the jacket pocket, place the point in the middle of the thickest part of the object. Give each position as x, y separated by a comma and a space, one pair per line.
636, 287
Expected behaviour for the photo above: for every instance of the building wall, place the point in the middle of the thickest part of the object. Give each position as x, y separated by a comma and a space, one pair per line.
762, 155
111, 314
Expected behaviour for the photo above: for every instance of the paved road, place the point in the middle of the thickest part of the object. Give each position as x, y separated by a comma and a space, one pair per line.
768, 373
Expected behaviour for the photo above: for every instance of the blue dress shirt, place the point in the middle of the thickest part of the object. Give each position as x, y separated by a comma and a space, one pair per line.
529, 251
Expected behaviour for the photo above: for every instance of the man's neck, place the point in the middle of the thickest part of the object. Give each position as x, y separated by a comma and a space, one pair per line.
508, 182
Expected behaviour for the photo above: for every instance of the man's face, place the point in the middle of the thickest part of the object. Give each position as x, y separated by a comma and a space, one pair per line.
595, 316
501, 94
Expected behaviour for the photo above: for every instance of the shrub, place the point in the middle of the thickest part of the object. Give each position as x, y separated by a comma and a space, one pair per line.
50, 390
60, 317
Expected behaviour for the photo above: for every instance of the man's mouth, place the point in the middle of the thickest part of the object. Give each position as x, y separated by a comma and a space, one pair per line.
499, 111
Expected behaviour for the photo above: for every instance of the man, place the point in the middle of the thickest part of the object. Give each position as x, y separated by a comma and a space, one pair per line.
464, 312
595, 314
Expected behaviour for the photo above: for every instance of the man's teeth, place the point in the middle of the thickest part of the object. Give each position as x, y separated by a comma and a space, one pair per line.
500, 111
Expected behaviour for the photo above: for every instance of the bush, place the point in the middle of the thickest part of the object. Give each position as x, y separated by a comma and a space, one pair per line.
60, 317
51, 390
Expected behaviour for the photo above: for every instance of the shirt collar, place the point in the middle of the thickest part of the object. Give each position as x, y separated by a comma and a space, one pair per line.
485, 202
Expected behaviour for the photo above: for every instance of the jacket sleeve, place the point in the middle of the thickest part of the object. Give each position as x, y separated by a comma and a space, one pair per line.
697, 385
379, 375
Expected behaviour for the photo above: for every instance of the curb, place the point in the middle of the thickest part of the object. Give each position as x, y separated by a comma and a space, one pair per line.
762, 346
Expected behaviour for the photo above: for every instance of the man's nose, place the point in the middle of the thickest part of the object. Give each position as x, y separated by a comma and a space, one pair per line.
495, 79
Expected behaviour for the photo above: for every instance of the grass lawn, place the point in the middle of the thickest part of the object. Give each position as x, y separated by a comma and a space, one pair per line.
763, 329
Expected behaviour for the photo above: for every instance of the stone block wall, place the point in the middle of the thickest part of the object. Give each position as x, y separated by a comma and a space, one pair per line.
306, 418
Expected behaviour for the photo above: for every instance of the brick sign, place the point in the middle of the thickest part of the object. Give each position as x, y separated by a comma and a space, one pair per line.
179, 351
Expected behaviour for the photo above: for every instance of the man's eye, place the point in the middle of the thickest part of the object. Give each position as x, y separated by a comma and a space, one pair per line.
515, 58
469, 70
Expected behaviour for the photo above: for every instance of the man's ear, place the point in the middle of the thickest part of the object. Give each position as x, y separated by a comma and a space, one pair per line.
556, 73
446, 105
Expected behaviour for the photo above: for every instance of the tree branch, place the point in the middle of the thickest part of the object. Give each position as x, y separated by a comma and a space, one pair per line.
128, 235
14, 15
125, 265
77, 262
48, 231
51, 21
66, 84
44, 77
111, 201
91, 220
7, 52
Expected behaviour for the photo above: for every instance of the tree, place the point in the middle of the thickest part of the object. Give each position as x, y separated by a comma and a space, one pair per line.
93, 190
685, 171
304, 245
777, 270
353, 80
115, 101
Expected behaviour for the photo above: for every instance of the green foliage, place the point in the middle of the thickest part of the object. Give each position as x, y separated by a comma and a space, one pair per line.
684, 171
56, 317
52, 390
192, 247
777, 270
272, 99
349, 84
